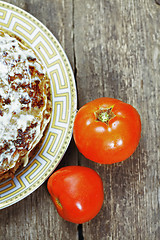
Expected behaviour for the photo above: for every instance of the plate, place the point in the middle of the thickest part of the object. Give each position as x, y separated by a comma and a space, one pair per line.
64, 101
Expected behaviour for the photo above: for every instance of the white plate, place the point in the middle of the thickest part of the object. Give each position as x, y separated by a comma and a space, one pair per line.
64, 98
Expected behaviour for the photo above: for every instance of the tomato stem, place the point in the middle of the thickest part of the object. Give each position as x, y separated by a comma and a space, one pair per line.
104, 115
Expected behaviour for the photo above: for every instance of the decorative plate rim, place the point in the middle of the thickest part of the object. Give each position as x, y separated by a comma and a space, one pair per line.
73, 96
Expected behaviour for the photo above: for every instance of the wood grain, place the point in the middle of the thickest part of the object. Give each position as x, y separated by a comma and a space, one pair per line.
114, 50
35, 217
118, 55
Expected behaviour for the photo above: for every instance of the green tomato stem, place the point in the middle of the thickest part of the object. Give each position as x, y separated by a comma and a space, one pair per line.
104, 115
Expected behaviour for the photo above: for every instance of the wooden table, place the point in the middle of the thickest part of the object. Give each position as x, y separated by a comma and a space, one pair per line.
114, 50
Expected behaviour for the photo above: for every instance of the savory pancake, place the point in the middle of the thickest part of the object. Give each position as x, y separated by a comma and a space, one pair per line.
25, 104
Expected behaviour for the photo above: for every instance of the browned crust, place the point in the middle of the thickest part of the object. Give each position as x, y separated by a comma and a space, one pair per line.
10, 173
40, 87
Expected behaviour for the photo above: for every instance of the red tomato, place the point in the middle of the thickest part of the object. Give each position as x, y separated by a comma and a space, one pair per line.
107, 130
77, 193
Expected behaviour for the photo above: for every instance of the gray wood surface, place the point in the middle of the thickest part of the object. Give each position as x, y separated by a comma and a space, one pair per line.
114, 50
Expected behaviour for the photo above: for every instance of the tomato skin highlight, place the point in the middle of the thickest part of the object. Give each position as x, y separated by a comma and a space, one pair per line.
107, 143
77, 193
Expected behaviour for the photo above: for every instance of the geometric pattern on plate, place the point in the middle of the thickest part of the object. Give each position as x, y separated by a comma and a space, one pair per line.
64, 99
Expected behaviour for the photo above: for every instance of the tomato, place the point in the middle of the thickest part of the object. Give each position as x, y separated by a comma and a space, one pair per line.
77, 193
107, 130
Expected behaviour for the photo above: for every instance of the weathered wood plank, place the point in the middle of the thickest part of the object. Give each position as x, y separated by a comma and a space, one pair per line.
35, 217
118, 55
